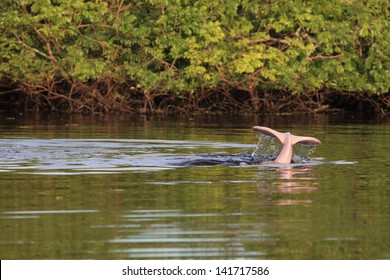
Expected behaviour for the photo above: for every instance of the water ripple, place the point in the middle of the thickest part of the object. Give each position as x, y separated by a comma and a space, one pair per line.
174, 233
99, 156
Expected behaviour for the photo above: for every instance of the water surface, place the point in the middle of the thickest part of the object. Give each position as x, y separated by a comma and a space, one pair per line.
116, 188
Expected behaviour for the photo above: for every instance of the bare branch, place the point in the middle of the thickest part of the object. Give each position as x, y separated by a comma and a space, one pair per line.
19, 41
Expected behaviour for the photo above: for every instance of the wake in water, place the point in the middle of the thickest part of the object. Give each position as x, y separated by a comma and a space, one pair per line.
267, 150
97, 156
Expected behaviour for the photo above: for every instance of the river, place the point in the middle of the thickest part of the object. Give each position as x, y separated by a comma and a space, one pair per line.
117, 187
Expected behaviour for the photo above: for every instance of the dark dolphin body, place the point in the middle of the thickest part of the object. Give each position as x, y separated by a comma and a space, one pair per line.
284, 157
220, 159
240, 159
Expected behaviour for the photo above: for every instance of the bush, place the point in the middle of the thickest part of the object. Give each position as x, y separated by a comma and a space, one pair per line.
137, 55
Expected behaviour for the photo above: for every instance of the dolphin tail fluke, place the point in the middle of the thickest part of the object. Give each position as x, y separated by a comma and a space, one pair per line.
282, 137
288, 140
270, 132
305, 140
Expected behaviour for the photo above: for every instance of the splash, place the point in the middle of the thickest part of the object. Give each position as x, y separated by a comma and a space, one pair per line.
268, 148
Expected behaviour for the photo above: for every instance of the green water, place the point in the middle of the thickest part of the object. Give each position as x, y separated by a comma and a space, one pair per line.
112, 188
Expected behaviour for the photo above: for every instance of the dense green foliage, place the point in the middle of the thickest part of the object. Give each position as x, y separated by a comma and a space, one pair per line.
104, 54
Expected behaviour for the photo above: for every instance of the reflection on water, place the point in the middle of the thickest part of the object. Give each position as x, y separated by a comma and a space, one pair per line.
131, 191
184, 237
288, 179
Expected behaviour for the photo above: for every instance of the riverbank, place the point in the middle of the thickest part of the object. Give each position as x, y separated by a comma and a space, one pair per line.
183, 57
209, 102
